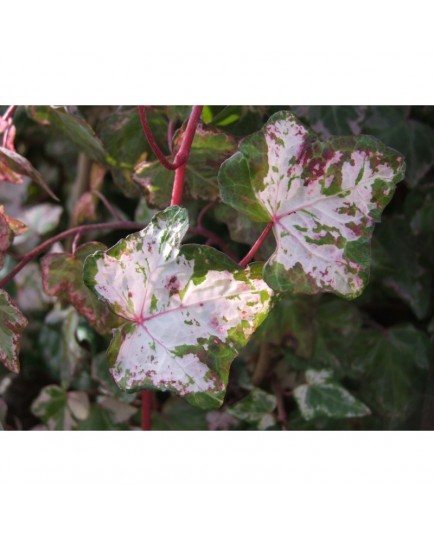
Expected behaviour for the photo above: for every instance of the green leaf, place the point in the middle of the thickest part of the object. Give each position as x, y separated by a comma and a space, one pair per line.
154, 285
415, 140
178, 415
59, 409
323, 200
337, 325
21, 167
12, 324
209, 149
404, 274
72, 126
100, 419
122, 135
290, 324
321, 396
256, 408
397, 363
62, 276
332, 120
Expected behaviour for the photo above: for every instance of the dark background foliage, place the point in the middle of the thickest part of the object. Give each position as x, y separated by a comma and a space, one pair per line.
378, 347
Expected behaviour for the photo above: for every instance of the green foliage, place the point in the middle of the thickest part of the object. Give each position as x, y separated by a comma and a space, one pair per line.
316, 362
321, 396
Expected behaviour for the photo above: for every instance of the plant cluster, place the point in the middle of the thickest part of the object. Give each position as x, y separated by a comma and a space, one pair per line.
143, 249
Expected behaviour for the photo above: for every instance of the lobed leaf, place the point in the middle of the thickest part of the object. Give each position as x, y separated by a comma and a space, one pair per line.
322, 197
59, 409
12, 324
256, 408
62, 276
187, 310
321, 396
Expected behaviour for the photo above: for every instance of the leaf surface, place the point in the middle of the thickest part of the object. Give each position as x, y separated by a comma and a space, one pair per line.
59, 409
62, 275
321, 396
188, 310
323, 200
72, 126
12, 324
256, 408
209, 149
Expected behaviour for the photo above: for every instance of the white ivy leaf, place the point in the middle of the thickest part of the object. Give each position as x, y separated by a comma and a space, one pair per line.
321, 396
188, 310
323, 199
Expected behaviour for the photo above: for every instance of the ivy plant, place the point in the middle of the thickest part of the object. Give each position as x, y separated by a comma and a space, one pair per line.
173, 300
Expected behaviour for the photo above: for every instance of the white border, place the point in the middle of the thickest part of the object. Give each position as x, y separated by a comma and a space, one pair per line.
217, 483
187, 52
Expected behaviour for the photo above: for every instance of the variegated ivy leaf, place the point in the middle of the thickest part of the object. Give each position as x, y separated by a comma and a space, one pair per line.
62, 276
12, 323
321, 396
323, 199
59, 409
188, 310
256, 408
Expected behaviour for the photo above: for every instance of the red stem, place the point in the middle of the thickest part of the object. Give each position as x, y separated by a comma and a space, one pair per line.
184, 152
80, 229
146, 410
179, 159
9, 112
256, 245
203, 212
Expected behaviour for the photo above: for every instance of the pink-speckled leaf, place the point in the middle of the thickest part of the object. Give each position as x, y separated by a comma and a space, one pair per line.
188, 310
12, 323
322, 197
